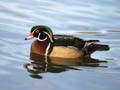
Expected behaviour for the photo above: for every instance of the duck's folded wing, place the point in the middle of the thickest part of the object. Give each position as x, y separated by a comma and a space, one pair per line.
67, 40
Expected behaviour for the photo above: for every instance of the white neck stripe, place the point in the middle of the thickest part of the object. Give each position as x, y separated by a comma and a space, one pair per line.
47, 49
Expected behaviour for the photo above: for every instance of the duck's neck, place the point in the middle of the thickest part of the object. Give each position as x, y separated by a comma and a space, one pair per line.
41, 47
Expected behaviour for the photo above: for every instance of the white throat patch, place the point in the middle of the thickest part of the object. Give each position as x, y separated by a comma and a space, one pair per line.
41, 39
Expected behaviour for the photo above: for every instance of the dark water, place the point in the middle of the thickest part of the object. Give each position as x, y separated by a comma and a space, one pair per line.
87, 19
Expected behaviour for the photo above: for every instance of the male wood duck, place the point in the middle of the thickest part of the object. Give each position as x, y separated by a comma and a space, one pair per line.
61, 46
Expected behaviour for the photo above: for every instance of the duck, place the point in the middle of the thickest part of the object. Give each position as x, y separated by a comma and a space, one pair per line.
61, 46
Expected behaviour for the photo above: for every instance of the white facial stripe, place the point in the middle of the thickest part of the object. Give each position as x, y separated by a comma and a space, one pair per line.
49, 37
41, 39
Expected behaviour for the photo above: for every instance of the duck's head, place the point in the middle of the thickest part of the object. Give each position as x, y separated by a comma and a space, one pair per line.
41, 33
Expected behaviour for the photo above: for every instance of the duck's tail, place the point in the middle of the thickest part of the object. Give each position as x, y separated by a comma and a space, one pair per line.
97, 47
90, 42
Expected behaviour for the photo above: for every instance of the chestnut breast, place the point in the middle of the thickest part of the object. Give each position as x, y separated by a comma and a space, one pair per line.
39, 47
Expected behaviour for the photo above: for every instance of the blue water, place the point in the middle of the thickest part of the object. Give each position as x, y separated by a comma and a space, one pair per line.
87, 19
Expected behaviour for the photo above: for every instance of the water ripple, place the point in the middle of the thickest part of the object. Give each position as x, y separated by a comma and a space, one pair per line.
87, 19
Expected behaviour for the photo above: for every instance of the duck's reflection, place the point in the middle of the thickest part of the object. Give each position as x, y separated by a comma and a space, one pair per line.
40, 64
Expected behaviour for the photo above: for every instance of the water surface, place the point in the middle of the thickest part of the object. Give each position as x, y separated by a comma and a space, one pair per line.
87, 19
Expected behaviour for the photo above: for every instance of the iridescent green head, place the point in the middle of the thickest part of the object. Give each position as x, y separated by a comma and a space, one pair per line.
41, 32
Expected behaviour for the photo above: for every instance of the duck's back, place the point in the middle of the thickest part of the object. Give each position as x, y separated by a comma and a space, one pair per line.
66, 40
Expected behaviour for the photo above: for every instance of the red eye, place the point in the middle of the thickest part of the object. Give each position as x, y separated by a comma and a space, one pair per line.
37, 31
